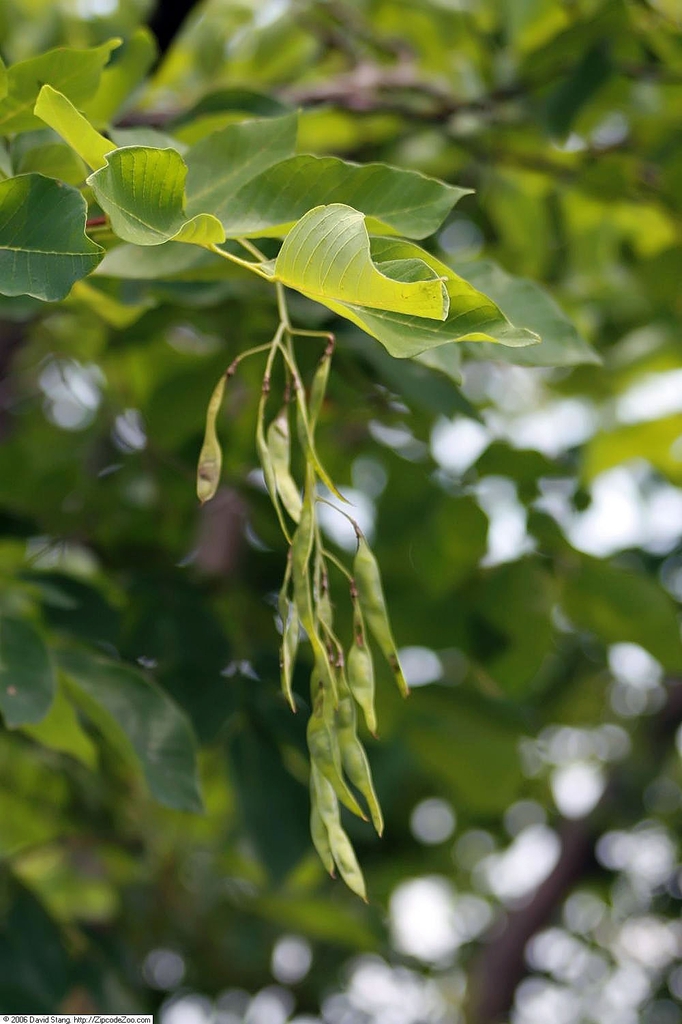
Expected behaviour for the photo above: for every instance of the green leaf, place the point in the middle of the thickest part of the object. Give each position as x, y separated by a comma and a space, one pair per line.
622, 606
472, 749
133, 712
472, 316
43, 245
145, 263
142, 190
53, 159
230, 100
122, 76
588, 76
530, 306
76, 73
26, 823
143, 135
318, 918
33, 953
5, 161
60, 730
418, 384
395, 202
59, 113
653, 440
3, 80
220, 164
326, 256
108, 308
27, 680
273, 805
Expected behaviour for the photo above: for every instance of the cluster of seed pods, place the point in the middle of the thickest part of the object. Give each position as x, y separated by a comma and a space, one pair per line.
342, 677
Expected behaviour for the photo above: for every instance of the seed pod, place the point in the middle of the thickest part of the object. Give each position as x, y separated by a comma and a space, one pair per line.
266, 464
319, 384
360, 669
324, 754
341, 848
289, 646
279, 448
326, 800
318, 832
373, 607
211, 455
301, 548
325, 614
354, 758
347, 862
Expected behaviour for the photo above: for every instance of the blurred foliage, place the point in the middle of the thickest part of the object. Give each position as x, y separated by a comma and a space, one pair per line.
524, 504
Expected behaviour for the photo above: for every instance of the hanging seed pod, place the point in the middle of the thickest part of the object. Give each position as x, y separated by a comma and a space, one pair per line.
324, 754
360, 672
301, 549
354, 757
318, 831
340, 845
323, 604
211, 455
318, 387
373, 607
291, 628
279, 447
347, 862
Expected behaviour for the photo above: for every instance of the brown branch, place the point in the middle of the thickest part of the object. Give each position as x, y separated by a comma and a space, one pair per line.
498, 971
368, 87
500, 966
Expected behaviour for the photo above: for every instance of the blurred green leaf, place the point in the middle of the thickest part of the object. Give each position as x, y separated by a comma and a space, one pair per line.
624, 607
27, 679
75, 72
273, 805
133, 712
528, 305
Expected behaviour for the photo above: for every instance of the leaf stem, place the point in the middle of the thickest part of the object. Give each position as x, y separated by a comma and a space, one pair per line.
253, 267
253, 249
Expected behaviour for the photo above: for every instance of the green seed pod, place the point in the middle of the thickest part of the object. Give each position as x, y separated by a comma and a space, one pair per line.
318, 832
301, 549
354, 758
290, 634
341, 848
325, 614
319, 384
373, 606
211, 455
360, 671
347, 863
279, 448
266, 465
324, 754
326, 800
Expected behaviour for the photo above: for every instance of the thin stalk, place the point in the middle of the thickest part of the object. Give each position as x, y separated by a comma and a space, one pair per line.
253, 267
254, 250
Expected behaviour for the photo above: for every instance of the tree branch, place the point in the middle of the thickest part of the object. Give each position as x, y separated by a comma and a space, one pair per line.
501, 966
